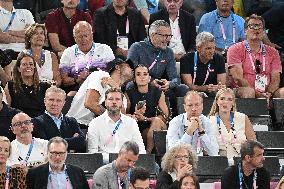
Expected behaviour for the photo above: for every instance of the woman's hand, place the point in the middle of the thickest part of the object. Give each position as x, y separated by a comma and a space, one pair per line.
183, 170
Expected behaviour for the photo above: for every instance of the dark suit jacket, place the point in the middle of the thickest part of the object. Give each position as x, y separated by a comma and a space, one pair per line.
38, 177
105, 24
45, 128
186, 24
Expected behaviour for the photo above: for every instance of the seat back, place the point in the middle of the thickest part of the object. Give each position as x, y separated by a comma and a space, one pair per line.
146, 161
86, 161
211, 167
252, 107
160, 142
271, 139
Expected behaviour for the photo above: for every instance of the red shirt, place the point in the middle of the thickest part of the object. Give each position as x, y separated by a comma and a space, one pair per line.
237, 54
55, 23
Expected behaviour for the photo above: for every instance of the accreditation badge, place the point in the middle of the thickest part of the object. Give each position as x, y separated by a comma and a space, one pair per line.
260, 82
122, 42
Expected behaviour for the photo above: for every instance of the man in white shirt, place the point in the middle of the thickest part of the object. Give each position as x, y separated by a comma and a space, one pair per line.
79, 60
109, 131
193, 127
13, 23
87, 103
26, 150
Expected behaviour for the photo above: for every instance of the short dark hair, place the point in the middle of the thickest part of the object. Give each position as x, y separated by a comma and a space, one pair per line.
130, 146
194, 177
57, 139
255, 17
139, 173
247, 148
113, 90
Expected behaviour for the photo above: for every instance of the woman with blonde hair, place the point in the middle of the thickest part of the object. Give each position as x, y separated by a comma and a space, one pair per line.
231, 127
10, 177
46, 61
176, 163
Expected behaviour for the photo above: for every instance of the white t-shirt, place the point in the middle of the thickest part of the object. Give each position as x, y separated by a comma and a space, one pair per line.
22, 19
19, 152
78, 109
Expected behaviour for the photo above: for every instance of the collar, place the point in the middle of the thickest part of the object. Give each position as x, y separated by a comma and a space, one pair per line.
51, 172
78, 50
53, 117
6, 11
108, 119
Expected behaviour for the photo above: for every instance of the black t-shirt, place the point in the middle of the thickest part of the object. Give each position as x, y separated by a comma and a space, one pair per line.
28, 100
230, 179
217, 66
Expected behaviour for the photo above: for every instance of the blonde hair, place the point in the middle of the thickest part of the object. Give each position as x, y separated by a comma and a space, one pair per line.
169, 157
5, 139
281, 182
215, 108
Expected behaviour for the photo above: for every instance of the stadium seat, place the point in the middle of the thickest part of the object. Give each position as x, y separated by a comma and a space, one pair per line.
160, 142
87, 161
278, 105
211, 167
273, 142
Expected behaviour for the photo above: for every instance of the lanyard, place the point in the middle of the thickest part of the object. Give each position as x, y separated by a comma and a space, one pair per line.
30, 151
11, 21
126, 27
89, 62
117, 125
219, 19
263, 52
155, 61
195, 69
7, 177
241, 177
67, 179
42, 56
121, 184
232, 127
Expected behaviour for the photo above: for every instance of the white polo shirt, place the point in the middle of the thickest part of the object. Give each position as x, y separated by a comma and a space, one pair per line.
22, 19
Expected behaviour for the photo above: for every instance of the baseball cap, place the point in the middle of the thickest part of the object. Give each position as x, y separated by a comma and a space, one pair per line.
117, 61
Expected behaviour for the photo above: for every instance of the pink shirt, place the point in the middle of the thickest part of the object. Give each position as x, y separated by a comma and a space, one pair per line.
237, 54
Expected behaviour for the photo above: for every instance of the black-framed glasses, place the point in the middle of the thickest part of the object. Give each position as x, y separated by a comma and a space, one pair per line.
257, 66
60, 154
181, 157
142, 188
175, 1
255, 26
165, 35
22, 123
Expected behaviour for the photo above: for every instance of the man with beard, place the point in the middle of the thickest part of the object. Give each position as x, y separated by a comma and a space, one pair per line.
108, 132
26, 150
53, 123
226, 27
249, 172
89, 100
55, 173
115, 175
60, 22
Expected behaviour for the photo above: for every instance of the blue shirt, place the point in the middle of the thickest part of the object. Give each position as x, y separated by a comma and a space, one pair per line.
56, 120
210, 22
145, 53
58, 180
176, 134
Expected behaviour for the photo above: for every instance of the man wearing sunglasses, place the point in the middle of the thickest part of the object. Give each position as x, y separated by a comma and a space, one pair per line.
182, 25
253, 66
27, 151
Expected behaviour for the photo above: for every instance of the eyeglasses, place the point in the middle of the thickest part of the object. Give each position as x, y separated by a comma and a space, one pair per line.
170, 1
60, 154
141, 188
257, 66
165, 35
22, 123
255, 26
181, 157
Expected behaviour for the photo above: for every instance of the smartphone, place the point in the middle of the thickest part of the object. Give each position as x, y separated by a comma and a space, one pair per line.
160, 82
140, 104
